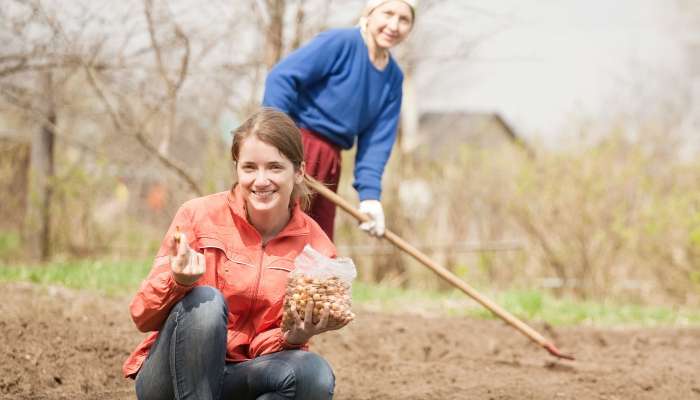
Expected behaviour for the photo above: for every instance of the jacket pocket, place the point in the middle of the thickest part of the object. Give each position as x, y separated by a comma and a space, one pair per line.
232, 272
209, 242
281, 268
276, 278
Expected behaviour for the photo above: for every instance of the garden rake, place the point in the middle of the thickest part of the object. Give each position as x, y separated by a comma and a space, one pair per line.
441, 271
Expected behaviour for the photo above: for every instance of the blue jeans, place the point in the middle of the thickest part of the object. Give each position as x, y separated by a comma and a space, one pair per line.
187, 361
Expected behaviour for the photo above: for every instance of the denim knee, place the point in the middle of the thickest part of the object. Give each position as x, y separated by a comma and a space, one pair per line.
315, 372
205, 306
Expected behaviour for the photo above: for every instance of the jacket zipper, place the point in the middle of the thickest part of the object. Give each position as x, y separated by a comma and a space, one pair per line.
257, 282
254, 294
247, 318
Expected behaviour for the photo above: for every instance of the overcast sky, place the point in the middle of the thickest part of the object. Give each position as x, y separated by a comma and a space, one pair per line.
542, 64
548, 61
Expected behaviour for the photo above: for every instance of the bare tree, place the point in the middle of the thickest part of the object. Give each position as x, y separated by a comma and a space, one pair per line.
43, 168
173, 84
35, 60
88, 47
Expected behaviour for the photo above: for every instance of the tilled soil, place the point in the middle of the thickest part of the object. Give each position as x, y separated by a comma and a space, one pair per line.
63, 344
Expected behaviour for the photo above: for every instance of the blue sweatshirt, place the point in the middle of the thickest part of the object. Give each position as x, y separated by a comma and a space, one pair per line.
330, 87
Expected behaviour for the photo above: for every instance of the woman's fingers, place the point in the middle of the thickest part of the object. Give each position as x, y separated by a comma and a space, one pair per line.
180, 249
187, 265
295, 314
196, 264
174, 245
308, 313
191, 263
344, 321
337, 323
183, 246
201, 262
323, 321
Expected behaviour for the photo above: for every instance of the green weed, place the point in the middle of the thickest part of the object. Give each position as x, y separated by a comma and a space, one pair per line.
122, 278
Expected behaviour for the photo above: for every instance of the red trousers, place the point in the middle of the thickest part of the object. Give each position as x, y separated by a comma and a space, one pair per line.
322, 163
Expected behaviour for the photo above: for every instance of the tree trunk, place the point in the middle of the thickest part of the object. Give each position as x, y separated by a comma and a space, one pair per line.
273, 34
299, 26
42, 166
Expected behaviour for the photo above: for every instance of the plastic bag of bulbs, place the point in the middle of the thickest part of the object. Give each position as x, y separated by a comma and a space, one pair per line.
324, 281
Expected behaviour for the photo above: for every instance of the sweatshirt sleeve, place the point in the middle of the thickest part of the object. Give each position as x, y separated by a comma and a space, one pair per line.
374, 147
271, 341
159, 292
301, 68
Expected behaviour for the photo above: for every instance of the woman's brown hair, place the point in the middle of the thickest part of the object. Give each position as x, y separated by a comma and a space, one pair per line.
276, 129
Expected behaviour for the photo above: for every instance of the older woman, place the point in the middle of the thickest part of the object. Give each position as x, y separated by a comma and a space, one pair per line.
213, 301
342, 87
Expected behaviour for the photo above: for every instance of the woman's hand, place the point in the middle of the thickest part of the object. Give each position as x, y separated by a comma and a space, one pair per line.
186, 265
303, 330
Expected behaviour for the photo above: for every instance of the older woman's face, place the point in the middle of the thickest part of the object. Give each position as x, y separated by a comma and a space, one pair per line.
390, 23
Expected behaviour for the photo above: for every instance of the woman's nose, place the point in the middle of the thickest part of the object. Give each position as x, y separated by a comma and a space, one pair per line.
394, 23
261, 177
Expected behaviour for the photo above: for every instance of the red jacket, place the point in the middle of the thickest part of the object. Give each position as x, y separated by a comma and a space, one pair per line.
252, 277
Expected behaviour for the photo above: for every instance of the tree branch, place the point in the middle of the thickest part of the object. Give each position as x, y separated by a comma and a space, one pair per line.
140, 136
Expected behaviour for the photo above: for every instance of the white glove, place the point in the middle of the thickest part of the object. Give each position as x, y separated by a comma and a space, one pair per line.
373, 209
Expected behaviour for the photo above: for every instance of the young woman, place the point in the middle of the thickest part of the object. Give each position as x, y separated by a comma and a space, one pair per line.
342, 87
214, 298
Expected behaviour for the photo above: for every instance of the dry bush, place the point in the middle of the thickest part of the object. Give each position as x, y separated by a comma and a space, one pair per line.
613, 220
454, 209
618, 219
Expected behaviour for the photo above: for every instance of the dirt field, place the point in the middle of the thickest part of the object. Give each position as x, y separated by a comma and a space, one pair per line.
62, 344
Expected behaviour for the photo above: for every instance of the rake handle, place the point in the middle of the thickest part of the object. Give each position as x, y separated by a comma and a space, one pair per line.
443, 272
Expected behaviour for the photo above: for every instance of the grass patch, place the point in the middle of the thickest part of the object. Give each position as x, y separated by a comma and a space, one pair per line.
107, 277
540, 306
10, 245
528, 305
124, 277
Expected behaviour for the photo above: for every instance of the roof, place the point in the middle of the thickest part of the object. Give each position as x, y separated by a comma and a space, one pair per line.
478, 129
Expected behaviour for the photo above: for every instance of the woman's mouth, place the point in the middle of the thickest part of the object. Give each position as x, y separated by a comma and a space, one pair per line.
389, 37
262, 194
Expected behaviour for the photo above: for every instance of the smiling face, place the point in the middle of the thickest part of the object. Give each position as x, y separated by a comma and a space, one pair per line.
390, 23
267, 177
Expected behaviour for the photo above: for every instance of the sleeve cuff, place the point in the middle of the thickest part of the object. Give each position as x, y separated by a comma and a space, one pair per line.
288, 346
177, 287
369, 194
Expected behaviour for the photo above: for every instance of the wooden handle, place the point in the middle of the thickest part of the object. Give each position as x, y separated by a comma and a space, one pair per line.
443, 272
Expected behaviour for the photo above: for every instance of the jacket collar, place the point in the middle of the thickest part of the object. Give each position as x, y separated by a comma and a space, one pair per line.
297, 225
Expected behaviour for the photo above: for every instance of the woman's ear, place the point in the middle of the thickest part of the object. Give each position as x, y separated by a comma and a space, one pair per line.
299, 173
